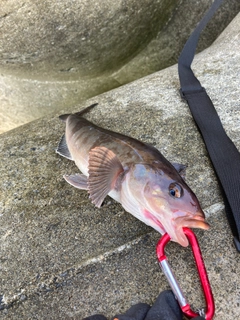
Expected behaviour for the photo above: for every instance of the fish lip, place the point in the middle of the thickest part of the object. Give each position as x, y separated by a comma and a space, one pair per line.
188, 220
192, 221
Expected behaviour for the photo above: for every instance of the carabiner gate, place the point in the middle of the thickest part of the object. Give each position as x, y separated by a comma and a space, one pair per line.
186, 309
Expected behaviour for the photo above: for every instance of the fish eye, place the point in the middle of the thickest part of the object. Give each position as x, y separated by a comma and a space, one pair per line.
175, 190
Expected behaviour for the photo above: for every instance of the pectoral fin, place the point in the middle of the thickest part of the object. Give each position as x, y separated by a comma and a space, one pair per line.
79, 181
104, 168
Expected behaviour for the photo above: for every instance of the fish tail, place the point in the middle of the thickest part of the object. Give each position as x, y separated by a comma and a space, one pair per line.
64, 117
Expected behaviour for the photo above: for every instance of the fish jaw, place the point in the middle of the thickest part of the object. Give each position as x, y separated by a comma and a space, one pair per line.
189, 221
166, 223
173, 221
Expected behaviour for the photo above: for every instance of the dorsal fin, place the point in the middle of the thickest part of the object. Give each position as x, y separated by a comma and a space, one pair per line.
64, 117
62, 148
85, 110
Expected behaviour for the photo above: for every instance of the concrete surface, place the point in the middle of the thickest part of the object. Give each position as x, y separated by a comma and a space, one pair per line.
55, 54
62, 258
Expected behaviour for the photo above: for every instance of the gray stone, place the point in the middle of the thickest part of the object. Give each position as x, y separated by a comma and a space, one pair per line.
77, 37
55, 54
63, 258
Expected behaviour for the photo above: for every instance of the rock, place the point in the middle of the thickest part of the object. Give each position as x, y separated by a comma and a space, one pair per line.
77, 37
63, 258
56, 54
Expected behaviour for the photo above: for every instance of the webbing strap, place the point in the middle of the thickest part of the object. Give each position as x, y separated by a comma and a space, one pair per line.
224, 155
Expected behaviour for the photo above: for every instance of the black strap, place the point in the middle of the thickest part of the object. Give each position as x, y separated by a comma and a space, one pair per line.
223, 153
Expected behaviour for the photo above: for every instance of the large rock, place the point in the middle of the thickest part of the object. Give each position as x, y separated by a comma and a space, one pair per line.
59, 39
56, 53
62, 258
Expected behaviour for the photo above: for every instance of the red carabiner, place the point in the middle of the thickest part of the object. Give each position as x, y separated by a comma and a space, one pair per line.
210, 308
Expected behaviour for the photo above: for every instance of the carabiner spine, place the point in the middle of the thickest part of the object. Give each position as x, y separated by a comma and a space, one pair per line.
173, 282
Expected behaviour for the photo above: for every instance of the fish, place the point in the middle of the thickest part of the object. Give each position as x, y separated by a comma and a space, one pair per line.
133, 173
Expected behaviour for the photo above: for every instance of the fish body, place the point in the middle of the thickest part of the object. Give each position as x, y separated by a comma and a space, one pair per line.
133, 173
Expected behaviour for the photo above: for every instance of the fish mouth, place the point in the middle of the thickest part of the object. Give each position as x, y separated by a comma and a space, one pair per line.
191, 221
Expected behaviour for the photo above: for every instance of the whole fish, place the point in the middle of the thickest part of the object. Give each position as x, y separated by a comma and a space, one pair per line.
133, 173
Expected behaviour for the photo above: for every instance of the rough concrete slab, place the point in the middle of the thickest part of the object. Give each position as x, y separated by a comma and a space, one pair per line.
55, 54
63, 258
65, 39
116, 279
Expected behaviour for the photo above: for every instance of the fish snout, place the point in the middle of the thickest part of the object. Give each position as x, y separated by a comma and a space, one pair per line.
192, 221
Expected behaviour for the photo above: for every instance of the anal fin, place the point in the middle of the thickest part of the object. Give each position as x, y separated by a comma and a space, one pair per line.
79, 181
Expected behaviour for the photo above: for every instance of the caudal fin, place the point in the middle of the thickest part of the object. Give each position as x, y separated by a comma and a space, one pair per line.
62, 148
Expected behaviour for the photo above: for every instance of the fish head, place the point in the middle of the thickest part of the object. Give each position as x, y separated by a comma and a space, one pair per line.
167, 203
